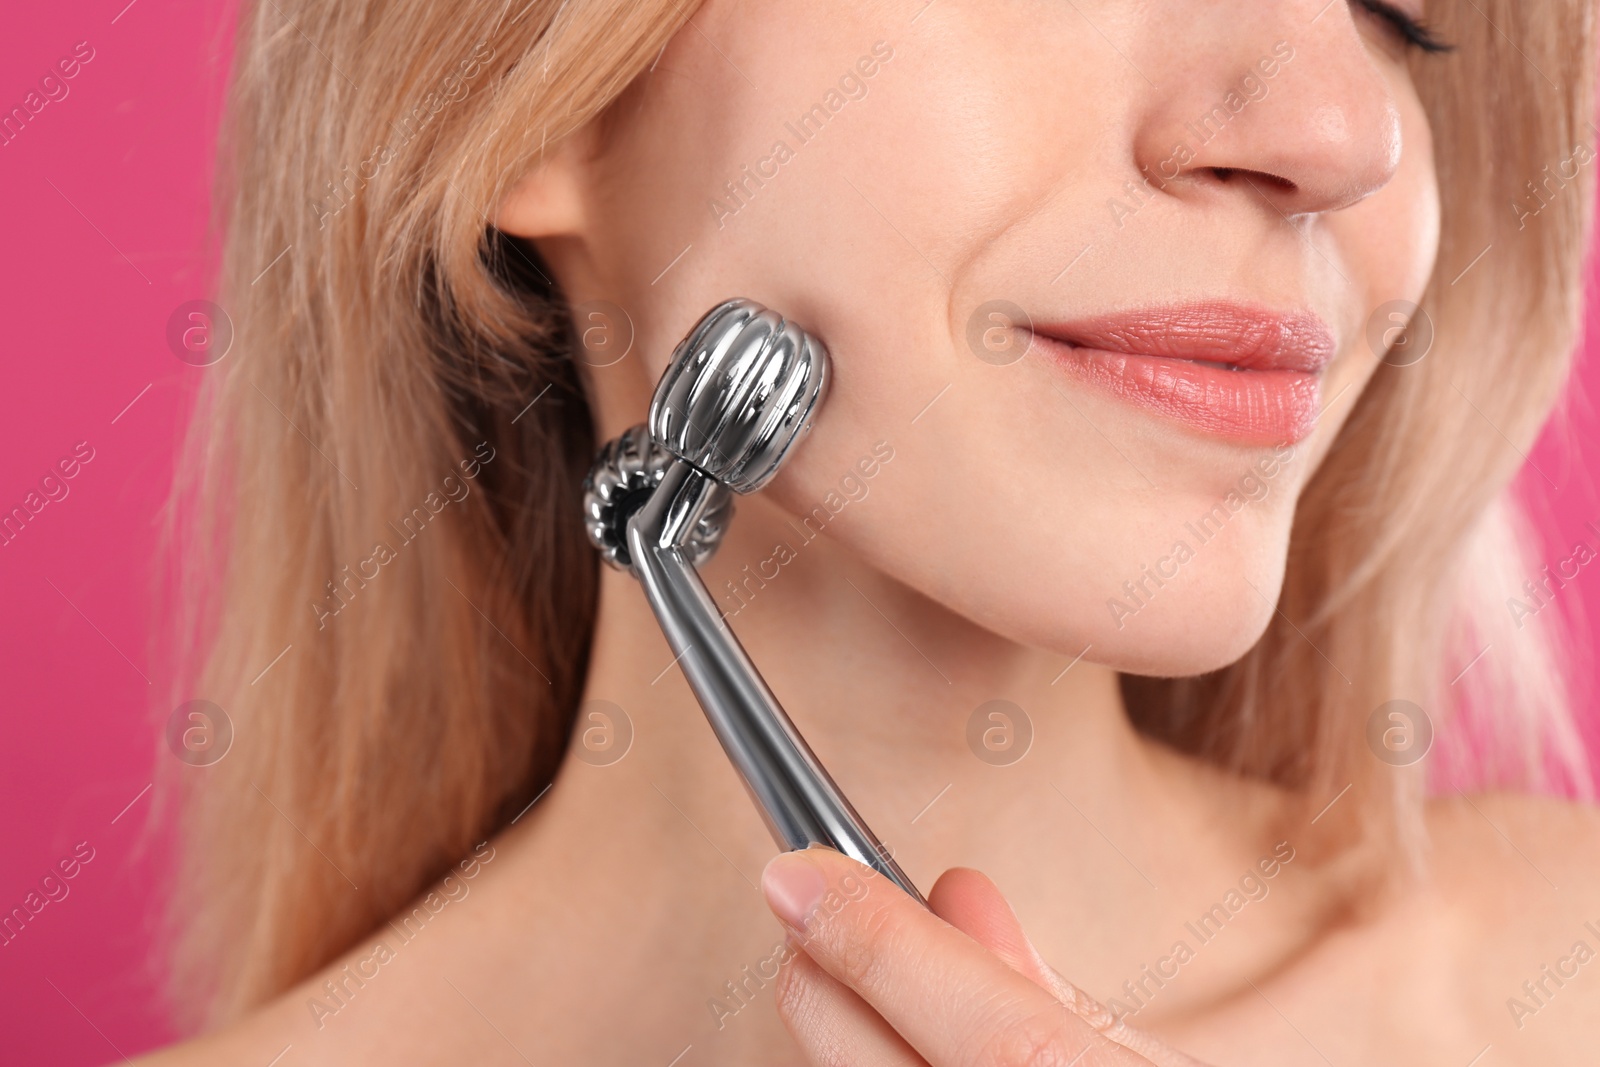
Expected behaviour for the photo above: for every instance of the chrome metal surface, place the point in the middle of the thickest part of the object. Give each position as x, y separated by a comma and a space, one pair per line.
623, 476
741, 390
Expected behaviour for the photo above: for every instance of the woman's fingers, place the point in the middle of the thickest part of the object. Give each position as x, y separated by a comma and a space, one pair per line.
969, 901
832, 1024
973, 904
954, 1001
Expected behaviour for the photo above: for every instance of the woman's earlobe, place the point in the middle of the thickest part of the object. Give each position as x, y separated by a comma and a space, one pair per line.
547, 201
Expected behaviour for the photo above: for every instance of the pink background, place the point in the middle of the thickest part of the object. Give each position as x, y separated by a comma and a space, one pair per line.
106, 208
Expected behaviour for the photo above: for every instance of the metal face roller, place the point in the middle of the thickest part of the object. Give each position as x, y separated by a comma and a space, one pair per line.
741, 390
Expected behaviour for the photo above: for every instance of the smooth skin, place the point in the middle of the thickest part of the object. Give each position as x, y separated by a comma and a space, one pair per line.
844, 1004
621, 920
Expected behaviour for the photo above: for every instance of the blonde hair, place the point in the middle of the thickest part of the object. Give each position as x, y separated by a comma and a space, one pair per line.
390, 344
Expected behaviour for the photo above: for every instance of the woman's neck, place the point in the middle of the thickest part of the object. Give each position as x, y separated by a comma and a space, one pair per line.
634, 878
957, 746
1105, 843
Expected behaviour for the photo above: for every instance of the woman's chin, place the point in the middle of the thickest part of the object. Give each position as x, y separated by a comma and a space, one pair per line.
1188, 651
1174, 634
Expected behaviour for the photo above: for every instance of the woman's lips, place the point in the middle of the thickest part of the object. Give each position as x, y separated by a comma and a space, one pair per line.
1233, 371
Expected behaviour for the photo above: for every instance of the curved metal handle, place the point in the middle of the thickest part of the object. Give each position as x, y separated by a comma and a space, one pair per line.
798, 800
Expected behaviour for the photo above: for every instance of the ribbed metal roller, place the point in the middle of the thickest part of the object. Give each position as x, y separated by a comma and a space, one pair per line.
740, 392
623, 476
741, 389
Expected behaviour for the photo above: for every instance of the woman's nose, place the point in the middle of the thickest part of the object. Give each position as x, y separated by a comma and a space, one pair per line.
1280, 103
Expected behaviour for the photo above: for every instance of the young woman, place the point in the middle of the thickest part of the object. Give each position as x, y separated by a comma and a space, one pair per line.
1152, 553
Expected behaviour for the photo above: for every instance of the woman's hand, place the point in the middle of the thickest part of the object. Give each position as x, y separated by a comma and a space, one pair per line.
878, 980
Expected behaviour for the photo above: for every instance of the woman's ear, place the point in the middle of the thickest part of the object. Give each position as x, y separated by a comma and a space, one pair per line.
547, 201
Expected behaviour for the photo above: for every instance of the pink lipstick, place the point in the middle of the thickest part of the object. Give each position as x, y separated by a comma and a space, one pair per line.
1243, 373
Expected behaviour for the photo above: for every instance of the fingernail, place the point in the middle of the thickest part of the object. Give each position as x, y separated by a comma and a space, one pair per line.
793, 887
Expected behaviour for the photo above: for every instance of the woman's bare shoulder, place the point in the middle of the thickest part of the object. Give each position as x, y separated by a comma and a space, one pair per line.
1517, 841
1519, 878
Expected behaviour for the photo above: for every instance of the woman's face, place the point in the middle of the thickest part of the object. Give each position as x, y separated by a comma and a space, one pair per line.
1100, 274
